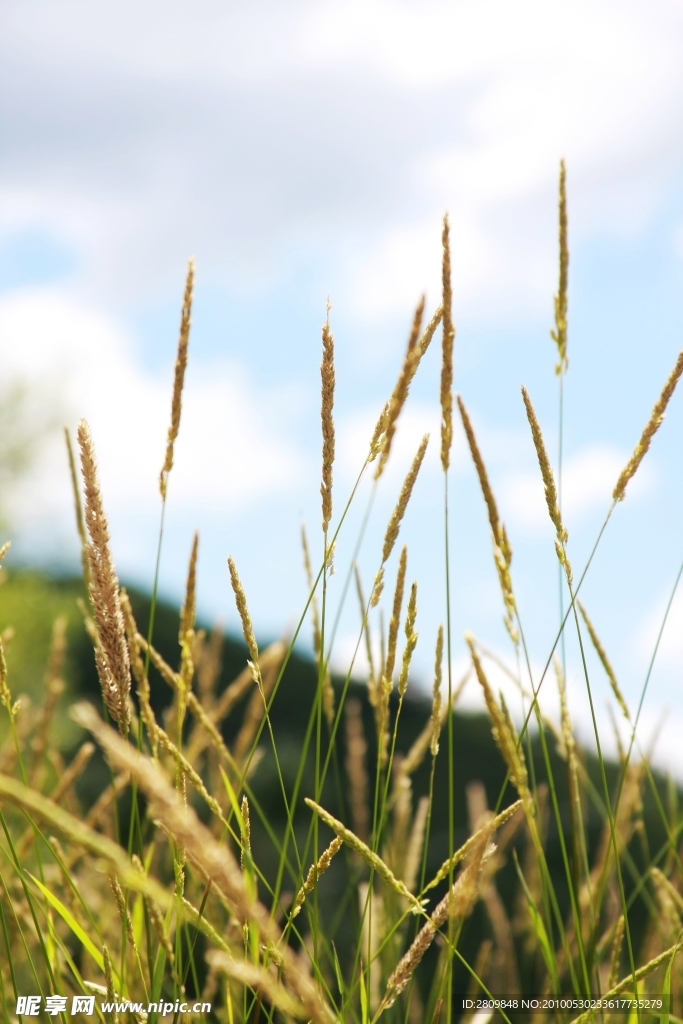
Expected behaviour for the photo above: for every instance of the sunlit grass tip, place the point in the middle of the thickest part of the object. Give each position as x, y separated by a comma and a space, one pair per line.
179, 378
651, 428
559, 333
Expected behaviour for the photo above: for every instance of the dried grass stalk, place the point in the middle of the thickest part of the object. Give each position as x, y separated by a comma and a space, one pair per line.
314, 873
626, 984
245, 618
400, 392
451, 863
111, 653
502, 729
502, 551
258, 979
559, 334
651, 428
447, 350
124, 913
327, 376
397, 515
429, 332
615, 956
456, 904
551, 499
369, 856
179, 379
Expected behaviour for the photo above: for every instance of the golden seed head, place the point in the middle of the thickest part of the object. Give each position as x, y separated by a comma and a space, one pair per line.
559, 333
314, 873
400, 392
651, 428
456, 904
606, 664
245, 853
179, 378
369, 856
546, 471
397, 515
327, 405
501, 727
436, 698
395, 619
78, 507
502, 552
111, 655
243, 611
187, 615
5, 695
411, 640
447, 350
489, 499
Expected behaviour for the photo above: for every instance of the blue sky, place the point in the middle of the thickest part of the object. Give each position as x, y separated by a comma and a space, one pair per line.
310, 149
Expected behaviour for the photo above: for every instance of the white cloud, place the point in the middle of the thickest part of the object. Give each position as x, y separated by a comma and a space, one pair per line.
230, 451
598, 84
251, 134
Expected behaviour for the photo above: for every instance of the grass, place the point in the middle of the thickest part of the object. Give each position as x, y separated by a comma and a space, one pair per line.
199, 853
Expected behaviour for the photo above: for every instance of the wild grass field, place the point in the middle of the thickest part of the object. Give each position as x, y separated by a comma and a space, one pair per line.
193, 826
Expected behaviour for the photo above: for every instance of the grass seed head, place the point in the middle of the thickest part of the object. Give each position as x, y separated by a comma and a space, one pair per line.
606, 664
314, 873
411, 640
179, 378
327, 376
436, 695
501, 727
447, 350
243, 611
651, 428
397, 515
399, 395
369, 856
559, 333
111, 655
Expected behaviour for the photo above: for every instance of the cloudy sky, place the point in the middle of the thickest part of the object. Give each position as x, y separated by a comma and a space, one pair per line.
307, 150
